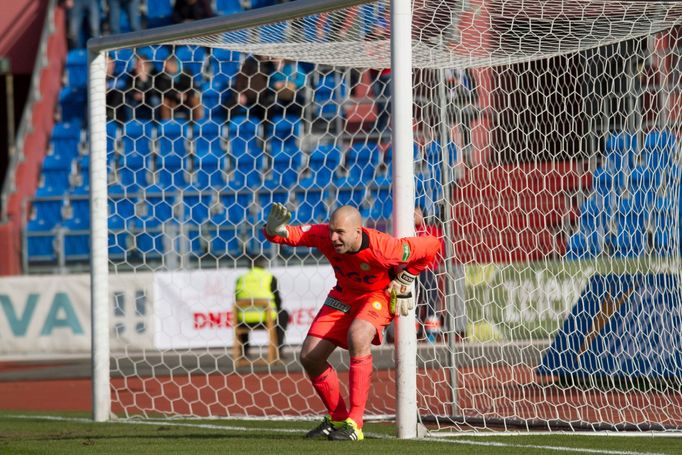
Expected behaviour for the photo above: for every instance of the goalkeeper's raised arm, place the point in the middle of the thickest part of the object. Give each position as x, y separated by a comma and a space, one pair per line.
278, 230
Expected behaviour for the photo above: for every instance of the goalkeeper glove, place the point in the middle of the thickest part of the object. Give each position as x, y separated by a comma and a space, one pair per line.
401, 293
277, 220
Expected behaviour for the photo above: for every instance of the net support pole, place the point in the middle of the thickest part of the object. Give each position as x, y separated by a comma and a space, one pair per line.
101, 398
403, 206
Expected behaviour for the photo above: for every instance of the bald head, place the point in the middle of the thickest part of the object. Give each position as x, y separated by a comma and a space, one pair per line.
345, 229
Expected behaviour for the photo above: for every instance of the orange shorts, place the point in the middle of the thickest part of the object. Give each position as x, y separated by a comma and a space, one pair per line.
332, 324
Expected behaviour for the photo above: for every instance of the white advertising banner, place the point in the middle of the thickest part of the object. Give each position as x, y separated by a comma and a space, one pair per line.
194, 309
50, 314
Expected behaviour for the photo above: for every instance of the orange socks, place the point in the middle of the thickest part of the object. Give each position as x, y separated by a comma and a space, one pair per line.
327, 387
359, 381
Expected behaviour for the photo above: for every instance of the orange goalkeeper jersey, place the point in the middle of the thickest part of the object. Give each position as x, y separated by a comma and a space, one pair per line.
370, 268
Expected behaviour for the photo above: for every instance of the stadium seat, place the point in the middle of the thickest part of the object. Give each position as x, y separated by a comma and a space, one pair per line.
76, 239
76, 68
118, 237
267, 198
323, 164
133, 171
47, 208
149, 237
328, 93
80, 207
159, 13
224, 239
272, 33
224, 64
311, 206
120, 203
171, 157
361, 162
137, 137
381, 204
214, 102
156, 54
40, 238
196, 207
243, 137
124, 60
227, 7
349, 196
237, 206
73, 104
65, 139
285, 134
158, 205
191, 58
55, 174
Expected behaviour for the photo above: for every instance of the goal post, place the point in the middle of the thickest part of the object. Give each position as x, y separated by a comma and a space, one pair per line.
537, 140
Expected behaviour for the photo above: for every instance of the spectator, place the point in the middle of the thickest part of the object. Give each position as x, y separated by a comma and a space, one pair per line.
251, 94
258, 283
143, 97
77, 11
464, 104
133, 7
191, 10
286, 83
178, 95
116, 84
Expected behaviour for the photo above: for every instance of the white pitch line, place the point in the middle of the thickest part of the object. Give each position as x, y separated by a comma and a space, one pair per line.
372, 435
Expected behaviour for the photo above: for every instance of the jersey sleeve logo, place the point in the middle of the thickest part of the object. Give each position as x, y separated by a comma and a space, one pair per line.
406, 252
305, 227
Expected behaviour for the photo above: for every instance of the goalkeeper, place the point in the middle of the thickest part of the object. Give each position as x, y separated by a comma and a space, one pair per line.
370, 267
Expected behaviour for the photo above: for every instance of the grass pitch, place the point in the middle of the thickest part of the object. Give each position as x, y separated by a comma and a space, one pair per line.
22, 433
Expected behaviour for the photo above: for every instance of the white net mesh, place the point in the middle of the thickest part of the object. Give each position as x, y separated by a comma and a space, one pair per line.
546, 159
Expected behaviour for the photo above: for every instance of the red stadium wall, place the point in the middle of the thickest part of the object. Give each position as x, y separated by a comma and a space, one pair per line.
35, 141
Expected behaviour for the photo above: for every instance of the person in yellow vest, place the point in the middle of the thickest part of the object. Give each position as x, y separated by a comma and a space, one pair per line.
258, 283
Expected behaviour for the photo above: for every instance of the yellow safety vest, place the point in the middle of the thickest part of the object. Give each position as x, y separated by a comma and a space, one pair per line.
255, 284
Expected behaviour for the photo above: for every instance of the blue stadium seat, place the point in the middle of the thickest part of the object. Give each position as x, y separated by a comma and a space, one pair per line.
267, 198
55, 174
76, 68
247, 173
80, 207
328, 94
353, 196
285, 134
236, 205
227, 7
133, 171
118, 237
191, 58
584, 245
156, 54
48, 208
40, 239
65, 139
137, 137
73, 104
159, 13
243, 137
77, 239
171, 158
312, 207
381, 203
620, 148
124, 60
113, 136
148, 236
196, 207
323, 163
120, 203
224, 239
225, 65
158, 204
214, 102
361, 161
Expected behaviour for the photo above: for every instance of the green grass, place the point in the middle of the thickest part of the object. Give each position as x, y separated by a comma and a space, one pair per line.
22, 433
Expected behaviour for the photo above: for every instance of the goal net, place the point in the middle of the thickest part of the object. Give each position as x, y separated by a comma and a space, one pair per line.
545, 158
